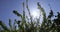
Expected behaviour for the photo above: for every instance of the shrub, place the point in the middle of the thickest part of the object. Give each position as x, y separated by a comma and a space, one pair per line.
24, 25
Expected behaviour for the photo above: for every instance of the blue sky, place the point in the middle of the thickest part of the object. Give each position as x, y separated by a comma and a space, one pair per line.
7, 7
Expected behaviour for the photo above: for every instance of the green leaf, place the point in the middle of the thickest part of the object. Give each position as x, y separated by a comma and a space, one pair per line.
50, 14
23, 13
10, 24
4, 26
15, 12
28, 10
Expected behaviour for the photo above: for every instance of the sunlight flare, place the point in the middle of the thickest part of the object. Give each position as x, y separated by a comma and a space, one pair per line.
35, 14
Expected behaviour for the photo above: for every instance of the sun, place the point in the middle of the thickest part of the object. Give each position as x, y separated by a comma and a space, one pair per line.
35, 14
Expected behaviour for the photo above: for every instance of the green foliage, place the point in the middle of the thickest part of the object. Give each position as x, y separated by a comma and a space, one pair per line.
4, 26
15, 12
48, 25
